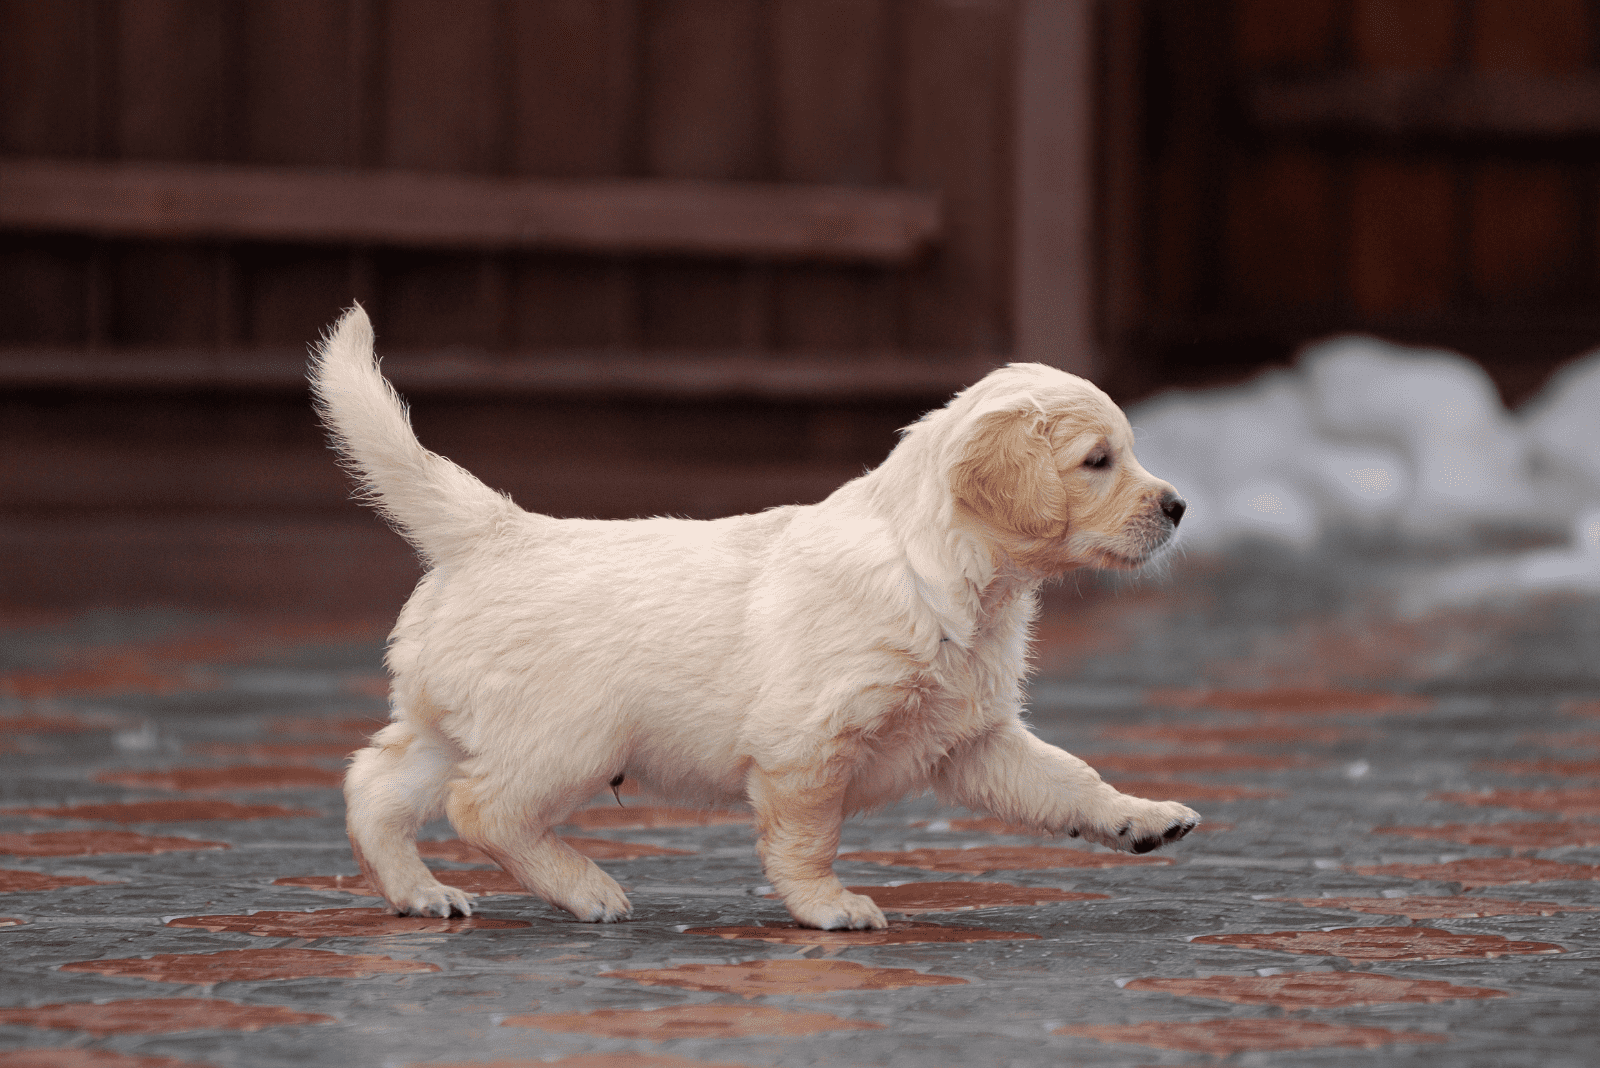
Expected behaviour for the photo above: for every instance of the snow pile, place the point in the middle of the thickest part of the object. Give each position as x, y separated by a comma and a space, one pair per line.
1370, 436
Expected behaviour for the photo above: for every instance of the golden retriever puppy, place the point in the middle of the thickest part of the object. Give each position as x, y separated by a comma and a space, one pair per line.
814, 661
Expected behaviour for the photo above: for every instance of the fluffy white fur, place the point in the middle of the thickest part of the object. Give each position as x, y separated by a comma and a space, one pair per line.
814, 661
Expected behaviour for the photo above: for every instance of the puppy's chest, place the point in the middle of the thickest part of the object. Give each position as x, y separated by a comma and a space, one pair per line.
939, 704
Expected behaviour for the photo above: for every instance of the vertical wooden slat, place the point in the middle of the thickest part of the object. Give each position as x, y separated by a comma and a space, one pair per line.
46, 109
706, 93
1123, 224
575, 99
1402, 240
956, 112
172, 97
831, 69
1054, 280
444, 109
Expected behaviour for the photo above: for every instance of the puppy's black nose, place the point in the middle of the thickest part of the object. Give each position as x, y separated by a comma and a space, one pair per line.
1173, 507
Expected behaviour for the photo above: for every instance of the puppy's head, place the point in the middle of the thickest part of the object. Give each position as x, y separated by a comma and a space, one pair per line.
1043, 460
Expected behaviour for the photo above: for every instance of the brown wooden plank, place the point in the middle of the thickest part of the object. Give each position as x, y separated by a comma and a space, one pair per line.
446, 105
1525, 230
1404, 34
42, 285
956, 122
1282, 235
1400, 103
689, 375
833, 88
1402, 234
426, 210
299, 85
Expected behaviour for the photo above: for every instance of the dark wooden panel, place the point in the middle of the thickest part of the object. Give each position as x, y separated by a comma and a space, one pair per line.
48, 77
301, 89
1403, 255
177, 85
955, 124
1270, 34
706, 96
1283, 230
446, 99
1545, 37
833, 72
43, 282
1405, 34
1526, 230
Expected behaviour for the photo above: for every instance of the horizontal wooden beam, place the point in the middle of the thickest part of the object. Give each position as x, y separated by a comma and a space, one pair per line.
658, 376
1446, 104
764, 221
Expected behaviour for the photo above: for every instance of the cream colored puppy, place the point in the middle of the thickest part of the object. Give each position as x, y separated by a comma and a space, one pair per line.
814, 660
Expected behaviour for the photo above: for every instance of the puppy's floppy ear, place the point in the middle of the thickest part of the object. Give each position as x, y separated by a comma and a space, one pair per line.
1007, 474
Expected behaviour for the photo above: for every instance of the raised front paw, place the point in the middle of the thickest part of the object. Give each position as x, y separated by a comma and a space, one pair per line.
1135, 825
841, 911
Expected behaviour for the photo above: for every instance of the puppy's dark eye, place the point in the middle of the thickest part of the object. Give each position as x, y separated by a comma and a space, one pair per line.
1098, 460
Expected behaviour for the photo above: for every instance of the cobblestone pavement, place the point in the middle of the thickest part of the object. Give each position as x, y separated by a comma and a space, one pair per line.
1399, 864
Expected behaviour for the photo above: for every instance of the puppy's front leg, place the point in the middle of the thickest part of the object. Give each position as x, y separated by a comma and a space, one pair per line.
1022, 780
798, 815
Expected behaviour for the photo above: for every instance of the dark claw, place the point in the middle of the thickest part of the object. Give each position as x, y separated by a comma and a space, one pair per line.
1072, 833
1178, 830
1124, 828
1145, 845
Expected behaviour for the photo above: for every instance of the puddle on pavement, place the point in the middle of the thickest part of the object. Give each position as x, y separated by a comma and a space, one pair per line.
964, 897
1383, 943
1526, 836
1575, 802
999, 858
690, 1021
1179, 790
238, 777
758, 978
1474, 872
164, 812
899, 932
248, 965
1314, 990
343, 923
150, 1016
1293, 701
1203, 737
1421, 907
1221, 1038
12, 881
1182, 763
646, 817
93, 843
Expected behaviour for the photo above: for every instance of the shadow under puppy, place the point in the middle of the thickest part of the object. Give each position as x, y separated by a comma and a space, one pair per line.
813, 660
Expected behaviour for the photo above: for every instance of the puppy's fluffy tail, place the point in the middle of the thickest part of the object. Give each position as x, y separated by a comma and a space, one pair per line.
440, 508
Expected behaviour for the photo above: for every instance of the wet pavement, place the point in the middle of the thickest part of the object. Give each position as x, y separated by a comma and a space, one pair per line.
1400, 862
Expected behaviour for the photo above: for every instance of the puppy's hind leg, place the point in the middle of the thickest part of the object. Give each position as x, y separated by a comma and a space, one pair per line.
392, 788
510, 819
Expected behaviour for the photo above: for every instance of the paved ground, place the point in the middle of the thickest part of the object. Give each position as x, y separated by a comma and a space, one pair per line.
1399, 864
